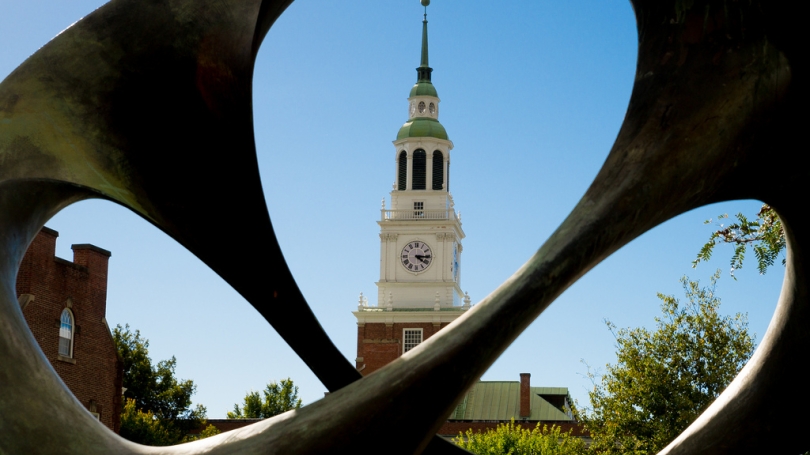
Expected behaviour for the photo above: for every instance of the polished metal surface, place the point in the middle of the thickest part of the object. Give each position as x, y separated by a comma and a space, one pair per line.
135, 102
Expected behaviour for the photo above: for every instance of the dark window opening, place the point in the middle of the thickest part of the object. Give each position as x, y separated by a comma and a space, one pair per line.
402, 171
419, 172
438, 170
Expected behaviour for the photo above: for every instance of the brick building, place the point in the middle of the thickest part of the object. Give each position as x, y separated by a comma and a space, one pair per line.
490, 403
381, 338
65, 305
419, 291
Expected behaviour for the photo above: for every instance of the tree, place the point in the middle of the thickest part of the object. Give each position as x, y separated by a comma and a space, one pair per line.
765, 235
143, 427
509, 439
664, 379
279, 397
207, 432
155, 394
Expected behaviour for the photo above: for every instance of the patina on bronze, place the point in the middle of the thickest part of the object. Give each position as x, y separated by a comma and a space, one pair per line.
136, 102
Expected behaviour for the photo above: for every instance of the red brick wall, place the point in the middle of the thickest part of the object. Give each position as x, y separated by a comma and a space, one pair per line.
378, 343
525, 395
224, 425
94, 373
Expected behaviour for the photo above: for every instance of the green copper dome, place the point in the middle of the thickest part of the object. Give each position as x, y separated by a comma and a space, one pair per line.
422, 127
423, 88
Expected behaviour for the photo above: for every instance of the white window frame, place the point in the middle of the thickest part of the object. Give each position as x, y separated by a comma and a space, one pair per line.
72, 332
413, 330
418, 209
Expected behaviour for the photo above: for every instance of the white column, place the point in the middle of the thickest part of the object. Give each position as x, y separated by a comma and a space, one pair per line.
429, 170
392, 258
459, 264
383, 256
444, 169
409, 185
447, 259
396, 171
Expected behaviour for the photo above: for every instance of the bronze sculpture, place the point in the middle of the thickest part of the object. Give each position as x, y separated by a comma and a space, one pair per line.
137, 118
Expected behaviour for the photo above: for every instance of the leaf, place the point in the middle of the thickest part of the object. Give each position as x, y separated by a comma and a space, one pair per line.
765, 234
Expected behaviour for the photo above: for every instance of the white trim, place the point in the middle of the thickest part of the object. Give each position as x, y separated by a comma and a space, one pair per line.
380, 316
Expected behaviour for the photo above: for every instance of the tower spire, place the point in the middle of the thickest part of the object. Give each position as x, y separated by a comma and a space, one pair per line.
424, 69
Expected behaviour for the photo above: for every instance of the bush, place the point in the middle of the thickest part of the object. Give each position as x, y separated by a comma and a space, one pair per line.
511, 439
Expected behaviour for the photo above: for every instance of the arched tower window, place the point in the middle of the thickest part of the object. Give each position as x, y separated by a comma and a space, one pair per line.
402, 171
66, 334
438, 170
419, 171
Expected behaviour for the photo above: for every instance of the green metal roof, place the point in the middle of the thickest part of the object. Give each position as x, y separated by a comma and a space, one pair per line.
423, 88
422, 127
500, 400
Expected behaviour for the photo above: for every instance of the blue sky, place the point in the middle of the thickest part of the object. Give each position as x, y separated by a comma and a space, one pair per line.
533, 95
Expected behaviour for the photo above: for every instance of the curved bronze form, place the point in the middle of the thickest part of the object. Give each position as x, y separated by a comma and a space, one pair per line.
148, 104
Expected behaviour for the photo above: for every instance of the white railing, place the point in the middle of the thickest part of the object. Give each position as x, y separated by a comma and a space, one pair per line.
426, 214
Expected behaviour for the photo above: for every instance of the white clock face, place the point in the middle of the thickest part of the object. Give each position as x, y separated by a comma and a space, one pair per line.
416, 256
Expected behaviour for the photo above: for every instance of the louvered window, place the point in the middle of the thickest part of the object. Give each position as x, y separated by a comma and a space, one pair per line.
438, 170
402, 170
419, 171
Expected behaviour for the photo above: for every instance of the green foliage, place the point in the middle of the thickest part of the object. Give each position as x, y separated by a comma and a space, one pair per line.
207, 432
664, 379
765, 235
143, 427
154, 391
279, 397
510, 439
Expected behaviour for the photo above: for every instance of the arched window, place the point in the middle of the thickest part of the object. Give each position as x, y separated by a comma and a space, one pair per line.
419, 172
66, 334
438, 170
402, 171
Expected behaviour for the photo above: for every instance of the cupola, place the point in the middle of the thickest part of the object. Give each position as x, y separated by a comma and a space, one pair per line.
423, 101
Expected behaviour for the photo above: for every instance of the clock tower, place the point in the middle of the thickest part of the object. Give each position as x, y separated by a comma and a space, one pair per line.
419, 290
